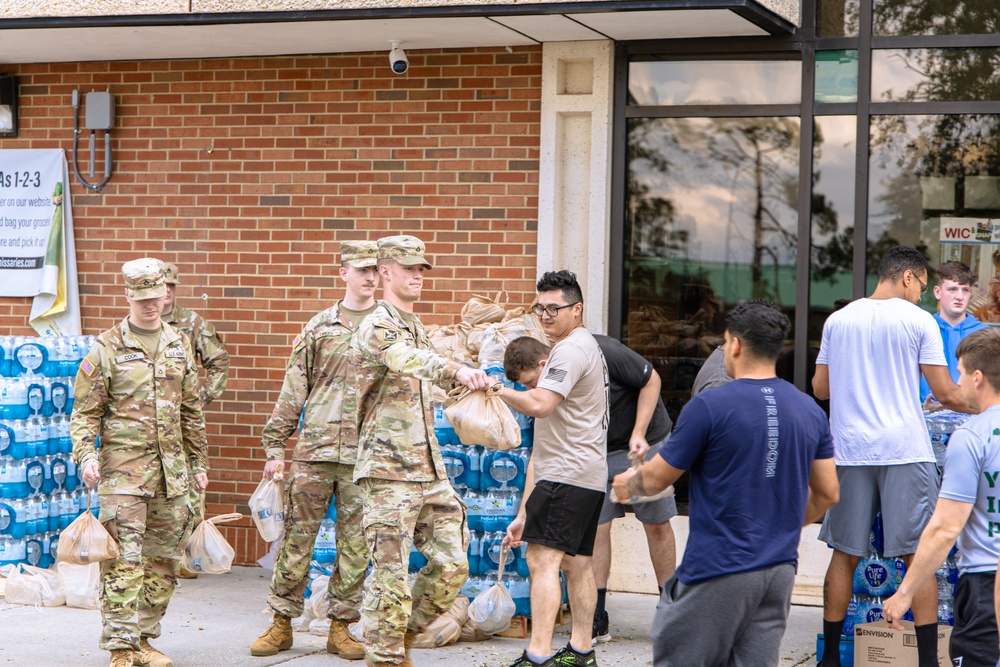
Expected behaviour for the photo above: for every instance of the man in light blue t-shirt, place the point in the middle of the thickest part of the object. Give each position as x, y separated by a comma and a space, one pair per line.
967, 507
953, 291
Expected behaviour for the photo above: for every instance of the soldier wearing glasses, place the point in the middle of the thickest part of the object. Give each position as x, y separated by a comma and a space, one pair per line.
567, 473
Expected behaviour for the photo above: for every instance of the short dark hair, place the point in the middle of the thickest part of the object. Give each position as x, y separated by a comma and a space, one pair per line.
956, 271
523, 354
980, 351
561, 280
761, 327
898, 260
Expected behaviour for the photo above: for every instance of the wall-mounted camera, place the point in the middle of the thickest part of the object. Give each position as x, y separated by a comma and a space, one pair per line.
397, 58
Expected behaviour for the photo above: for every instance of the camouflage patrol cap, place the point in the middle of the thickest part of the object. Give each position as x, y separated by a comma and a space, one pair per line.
171, 275
144, 279
405, 250
359, 254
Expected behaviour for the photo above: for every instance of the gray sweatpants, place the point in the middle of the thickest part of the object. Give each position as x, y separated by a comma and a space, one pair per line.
733, 621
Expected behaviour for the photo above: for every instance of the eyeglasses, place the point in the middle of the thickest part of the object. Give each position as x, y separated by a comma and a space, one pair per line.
551, 311
923, 285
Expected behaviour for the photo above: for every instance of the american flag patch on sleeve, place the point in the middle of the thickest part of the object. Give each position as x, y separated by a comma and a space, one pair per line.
555, 374
87, 367
297, 340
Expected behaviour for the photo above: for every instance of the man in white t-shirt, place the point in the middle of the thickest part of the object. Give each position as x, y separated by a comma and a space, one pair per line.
566, 475
869, 366
966, 508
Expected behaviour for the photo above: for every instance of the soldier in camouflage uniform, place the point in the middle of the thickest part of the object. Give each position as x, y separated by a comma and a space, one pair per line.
320, 376
209, 351
137, 389
408, 500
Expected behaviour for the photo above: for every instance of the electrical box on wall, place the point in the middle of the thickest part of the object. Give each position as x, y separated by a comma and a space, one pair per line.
100, 111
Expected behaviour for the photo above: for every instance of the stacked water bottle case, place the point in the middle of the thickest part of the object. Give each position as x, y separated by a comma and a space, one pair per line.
40, 489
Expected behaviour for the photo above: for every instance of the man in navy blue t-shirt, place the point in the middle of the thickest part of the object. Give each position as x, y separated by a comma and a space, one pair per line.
760, 458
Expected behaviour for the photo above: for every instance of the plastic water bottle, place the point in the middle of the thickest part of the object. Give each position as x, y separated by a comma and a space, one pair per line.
13, 478
443, 429
520, 591
325, 546
35, 475
16, 511
95, 502
6, 351
61, 396
33, 552
504, 469
474, 502
56, 501
66, 512
11, 443
48, 558
32, 513
30, 356
474, 585
873, 577
59, 439
72, 474
6, 548
475, 552
474, 454
455, 466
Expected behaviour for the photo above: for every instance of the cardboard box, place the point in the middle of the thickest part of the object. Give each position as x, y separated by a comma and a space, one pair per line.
879, 644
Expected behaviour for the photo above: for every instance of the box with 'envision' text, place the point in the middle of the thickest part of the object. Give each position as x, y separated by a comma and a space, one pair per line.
879, 644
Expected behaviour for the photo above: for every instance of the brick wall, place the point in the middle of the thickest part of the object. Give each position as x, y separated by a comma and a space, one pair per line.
248, 173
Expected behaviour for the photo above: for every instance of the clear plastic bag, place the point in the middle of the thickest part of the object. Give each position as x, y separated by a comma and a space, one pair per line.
268, 507
493, 609
34, 586
81, 584
207, 551
482, 418
86, 541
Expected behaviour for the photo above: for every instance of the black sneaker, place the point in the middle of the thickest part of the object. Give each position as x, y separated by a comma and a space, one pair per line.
601, 632
524, 661
570, 657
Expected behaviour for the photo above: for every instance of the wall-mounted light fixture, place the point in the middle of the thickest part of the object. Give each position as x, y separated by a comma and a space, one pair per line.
8, 105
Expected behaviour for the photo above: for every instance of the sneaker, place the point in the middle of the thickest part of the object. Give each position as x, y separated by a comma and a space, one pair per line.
601, 633
524, 661
570, 657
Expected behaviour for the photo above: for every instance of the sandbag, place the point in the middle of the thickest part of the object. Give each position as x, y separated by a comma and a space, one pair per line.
482, 418
81, 583
480, 309
86, 541
268, 507
446, 629
207, 551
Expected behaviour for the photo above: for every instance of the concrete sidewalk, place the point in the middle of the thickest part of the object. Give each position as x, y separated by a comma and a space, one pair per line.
213, 620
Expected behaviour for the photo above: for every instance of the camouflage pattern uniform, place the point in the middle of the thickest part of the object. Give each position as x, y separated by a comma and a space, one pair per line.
146, 411
209, 352
408, 499
319, 376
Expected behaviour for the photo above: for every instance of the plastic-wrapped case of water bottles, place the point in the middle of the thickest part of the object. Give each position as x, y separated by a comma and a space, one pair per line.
40, 489
940, 426
877, 578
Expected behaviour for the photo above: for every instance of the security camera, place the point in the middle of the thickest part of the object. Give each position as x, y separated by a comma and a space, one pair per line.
397, 59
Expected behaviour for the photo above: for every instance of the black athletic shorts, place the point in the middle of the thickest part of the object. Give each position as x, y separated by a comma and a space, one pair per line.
564, 517
974, 637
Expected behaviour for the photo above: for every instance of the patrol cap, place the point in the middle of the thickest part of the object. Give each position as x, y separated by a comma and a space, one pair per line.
359, 254
171, 275
144, 279
406, 250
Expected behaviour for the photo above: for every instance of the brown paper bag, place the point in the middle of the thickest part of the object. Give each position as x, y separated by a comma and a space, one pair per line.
86, 541
482, 418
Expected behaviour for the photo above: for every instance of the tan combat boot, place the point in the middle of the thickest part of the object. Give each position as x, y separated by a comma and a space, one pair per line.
121, 657
340, 641
277, 637
147, 656
184, 573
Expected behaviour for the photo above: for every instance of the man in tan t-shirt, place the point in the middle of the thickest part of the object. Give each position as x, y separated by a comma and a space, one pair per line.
566, 475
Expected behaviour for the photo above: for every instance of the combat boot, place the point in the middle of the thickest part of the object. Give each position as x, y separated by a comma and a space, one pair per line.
277, 637
147, 656
121, 657
340, 641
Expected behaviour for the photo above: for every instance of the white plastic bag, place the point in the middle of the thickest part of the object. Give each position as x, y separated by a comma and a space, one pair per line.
29, 585
81, 583
493, 609
268, 507
207, 551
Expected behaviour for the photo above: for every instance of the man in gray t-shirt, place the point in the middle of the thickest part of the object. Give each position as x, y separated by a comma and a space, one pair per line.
566, 476
712, 373
966, 503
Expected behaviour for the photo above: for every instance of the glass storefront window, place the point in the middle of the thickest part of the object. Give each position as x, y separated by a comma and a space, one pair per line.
837, 18
836, 76
710, 220
673, 82
935, 185
832, 221
935, 17
924, 75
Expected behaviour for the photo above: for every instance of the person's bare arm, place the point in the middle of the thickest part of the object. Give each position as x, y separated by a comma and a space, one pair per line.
824, 489
821, 382
538, 402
